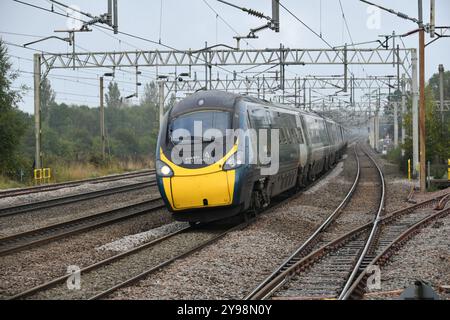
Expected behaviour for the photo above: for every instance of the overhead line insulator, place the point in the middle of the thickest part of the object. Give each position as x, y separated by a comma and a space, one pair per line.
254, 13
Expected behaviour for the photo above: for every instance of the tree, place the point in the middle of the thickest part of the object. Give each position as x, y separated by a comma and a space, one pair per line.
47, 98
434, 84
8, 96
437, 133
113, 96
12, 124
150, 96
150, 104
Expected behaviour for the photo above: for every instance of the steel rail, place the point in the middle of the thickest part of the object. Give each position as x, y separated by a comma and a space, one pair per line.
334, 245
167, 262
200, 246
371, 235
55, 281
277, 280
27, 239
72, 198
48, 284
60, 185
357, 289
314, 237
98, 264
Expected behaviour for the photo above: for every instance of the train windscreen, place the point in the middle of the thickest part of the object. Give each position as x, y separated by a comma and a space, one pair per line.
195, 124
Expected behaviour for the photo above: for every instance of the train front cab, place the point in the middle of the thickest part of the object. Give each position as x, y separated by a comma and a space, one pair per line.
201, 193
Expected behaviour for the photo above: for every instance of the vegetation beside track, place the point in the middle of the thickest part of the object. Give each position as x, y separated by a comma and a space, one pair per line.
71, 142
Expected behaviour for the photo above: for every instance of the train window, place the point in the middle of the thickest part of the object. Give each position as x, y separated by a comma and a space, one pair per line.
293, 134
260, 118
313, 127
208, 119
300, 134
331, 132
323, 136
289, 137
283, 138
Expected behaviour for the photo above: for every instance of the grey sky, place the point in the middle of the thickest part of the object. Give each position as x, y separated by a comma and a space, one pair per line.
189, 23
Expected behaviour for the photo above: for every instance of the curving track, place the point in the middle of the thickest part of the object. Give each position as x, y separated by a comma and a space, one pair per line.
338, 269
336, 275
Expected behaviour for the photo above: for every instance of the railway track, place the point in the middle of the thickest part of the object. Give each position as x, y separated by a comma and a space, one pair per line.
324, 273
332, 227
25, 240
68, 199
338, 269
108, 275
395, 235
56, 186
137, 263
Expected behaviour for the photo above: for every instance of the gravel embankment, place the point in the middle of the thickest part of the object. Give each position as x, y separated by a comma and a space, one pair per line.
397, 185
233, 266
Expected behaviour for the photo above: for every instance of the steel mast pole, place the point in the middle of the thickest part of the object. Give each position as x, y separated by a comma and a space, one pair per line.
415, 112
422, 133
161, 102
102, 119
37, 110
403, 113
441, 91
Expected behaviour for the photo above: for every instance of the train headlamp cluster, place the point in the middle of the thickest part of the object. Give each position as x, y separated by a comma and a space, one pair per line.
163, 169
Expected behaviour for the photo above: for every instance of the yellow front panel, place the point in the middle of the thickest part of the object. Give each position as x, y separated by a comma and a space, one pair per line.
190, 191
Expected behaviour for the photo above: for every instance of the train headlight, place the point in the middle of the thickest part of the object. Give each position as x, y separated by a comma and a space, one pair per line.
163, 169
232, 162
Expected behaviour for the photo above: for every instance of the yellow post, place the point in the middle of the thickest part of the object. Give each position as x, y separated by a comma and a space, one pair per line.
47, 173
409, 169
448, 170
37, 175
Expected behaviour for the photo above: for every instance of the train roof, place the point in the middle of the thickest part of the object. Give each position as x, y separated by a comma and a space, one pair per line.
205, 100
224, 100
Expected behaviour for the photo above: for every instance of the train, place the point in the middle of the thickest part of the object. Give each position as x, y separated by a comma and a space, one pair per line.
221, 154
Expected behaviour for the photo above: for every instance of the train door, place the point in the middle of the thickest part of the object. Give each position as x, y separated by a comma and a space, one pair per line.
304, 154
